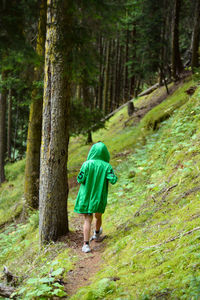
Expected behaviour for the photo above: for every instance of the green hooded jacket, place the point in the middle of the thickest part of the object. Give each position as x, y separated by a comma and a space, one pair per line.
94, 176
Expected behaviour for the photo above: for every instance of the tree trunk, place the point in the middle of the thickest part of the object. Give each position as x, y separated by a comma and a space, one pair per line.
116, 99
195, 42
130, 108
32, 170
3, 96
100, 83
177, 66
53, 190
9, 128
89, 137
106, 80
126, 79
133, 58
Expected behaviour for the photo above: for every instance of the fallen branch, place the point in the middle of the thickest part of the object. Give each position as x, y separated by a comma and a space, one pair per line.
187, 193
169, 240
167, 190
6, 291
149, 90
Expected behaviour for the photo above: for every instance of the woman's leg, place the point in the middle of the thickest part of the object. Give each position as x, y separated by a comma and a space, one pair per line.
98, 221
87, 227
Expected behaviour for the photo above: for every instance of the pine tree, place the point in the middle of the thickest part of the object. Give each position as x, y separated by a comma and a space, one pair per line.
32, 171
53, 190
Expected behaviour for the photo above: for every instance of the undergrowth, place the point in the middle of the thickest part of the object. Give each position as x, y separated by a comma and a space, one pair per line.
152, 217
36, 269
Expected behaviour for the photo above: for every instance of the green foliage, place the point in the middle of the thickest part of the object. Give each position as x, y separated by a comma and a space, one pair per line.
38, 270
41, 288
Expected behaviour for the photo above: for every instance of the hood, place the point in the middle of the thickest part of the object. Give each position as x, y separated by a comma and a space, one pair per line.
99, 151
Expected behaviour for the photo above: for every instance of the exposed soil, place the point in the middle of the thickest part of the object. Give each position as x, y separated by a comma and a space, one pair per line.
88, 263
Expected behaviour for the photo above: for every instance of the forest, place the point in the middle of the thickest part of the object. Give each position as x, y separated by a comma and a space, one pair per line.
126, 73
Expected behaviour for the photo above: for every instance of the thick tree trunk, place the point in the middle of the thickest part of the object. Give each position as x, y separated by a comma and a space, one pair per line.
195, 41
177, 66
32, 170
53, 191
3, 97
9, 128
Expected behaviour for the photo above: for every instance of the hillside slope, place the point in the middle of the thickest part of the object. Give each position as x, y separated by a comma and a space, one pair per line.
152, 218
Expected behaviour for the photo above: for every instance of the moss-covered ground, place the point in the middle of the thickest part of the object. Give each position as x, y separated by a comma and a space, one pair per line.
152, 218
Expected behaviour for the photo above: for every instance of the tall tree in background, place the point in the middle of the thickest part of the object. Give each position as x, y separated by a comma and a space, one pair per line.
9, 126
32, 171
195, 37
53, 189
177, 66
3, 96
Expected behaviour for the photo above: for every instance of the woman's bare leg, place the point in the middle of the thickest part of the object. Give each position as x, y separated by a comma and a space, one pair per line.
87, 227
98, 221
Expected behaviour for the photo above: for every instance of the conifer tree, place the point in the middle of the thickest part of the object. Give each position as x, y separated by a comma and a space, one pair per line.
31, 187
53, 189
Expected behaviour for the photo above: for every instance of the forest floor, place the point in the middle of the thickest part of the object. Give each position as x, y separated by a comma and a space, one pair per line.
88, 263
152, 245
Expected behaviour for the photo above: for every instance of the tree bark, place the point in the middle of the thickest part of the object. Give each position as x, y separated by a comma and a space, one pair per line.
177, 66
195, 41
53, 190
32, 170
3, 97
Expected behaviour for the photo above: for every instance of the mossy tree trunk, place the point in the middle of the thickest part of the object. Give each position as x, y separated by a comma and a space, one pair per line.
32, 170
196, 33
53, 191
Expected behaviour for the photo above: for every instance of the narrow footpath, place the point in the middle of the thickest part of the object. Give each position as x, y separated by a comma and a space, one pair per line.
88, 263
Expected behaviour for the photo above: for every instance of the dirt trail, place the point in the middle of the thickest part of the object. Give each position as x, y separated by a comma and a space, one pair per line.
88, 263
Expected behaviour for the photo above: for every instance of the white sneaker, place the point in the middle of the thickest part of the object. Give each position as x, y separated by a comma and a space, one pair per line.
96, 236
86, 248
